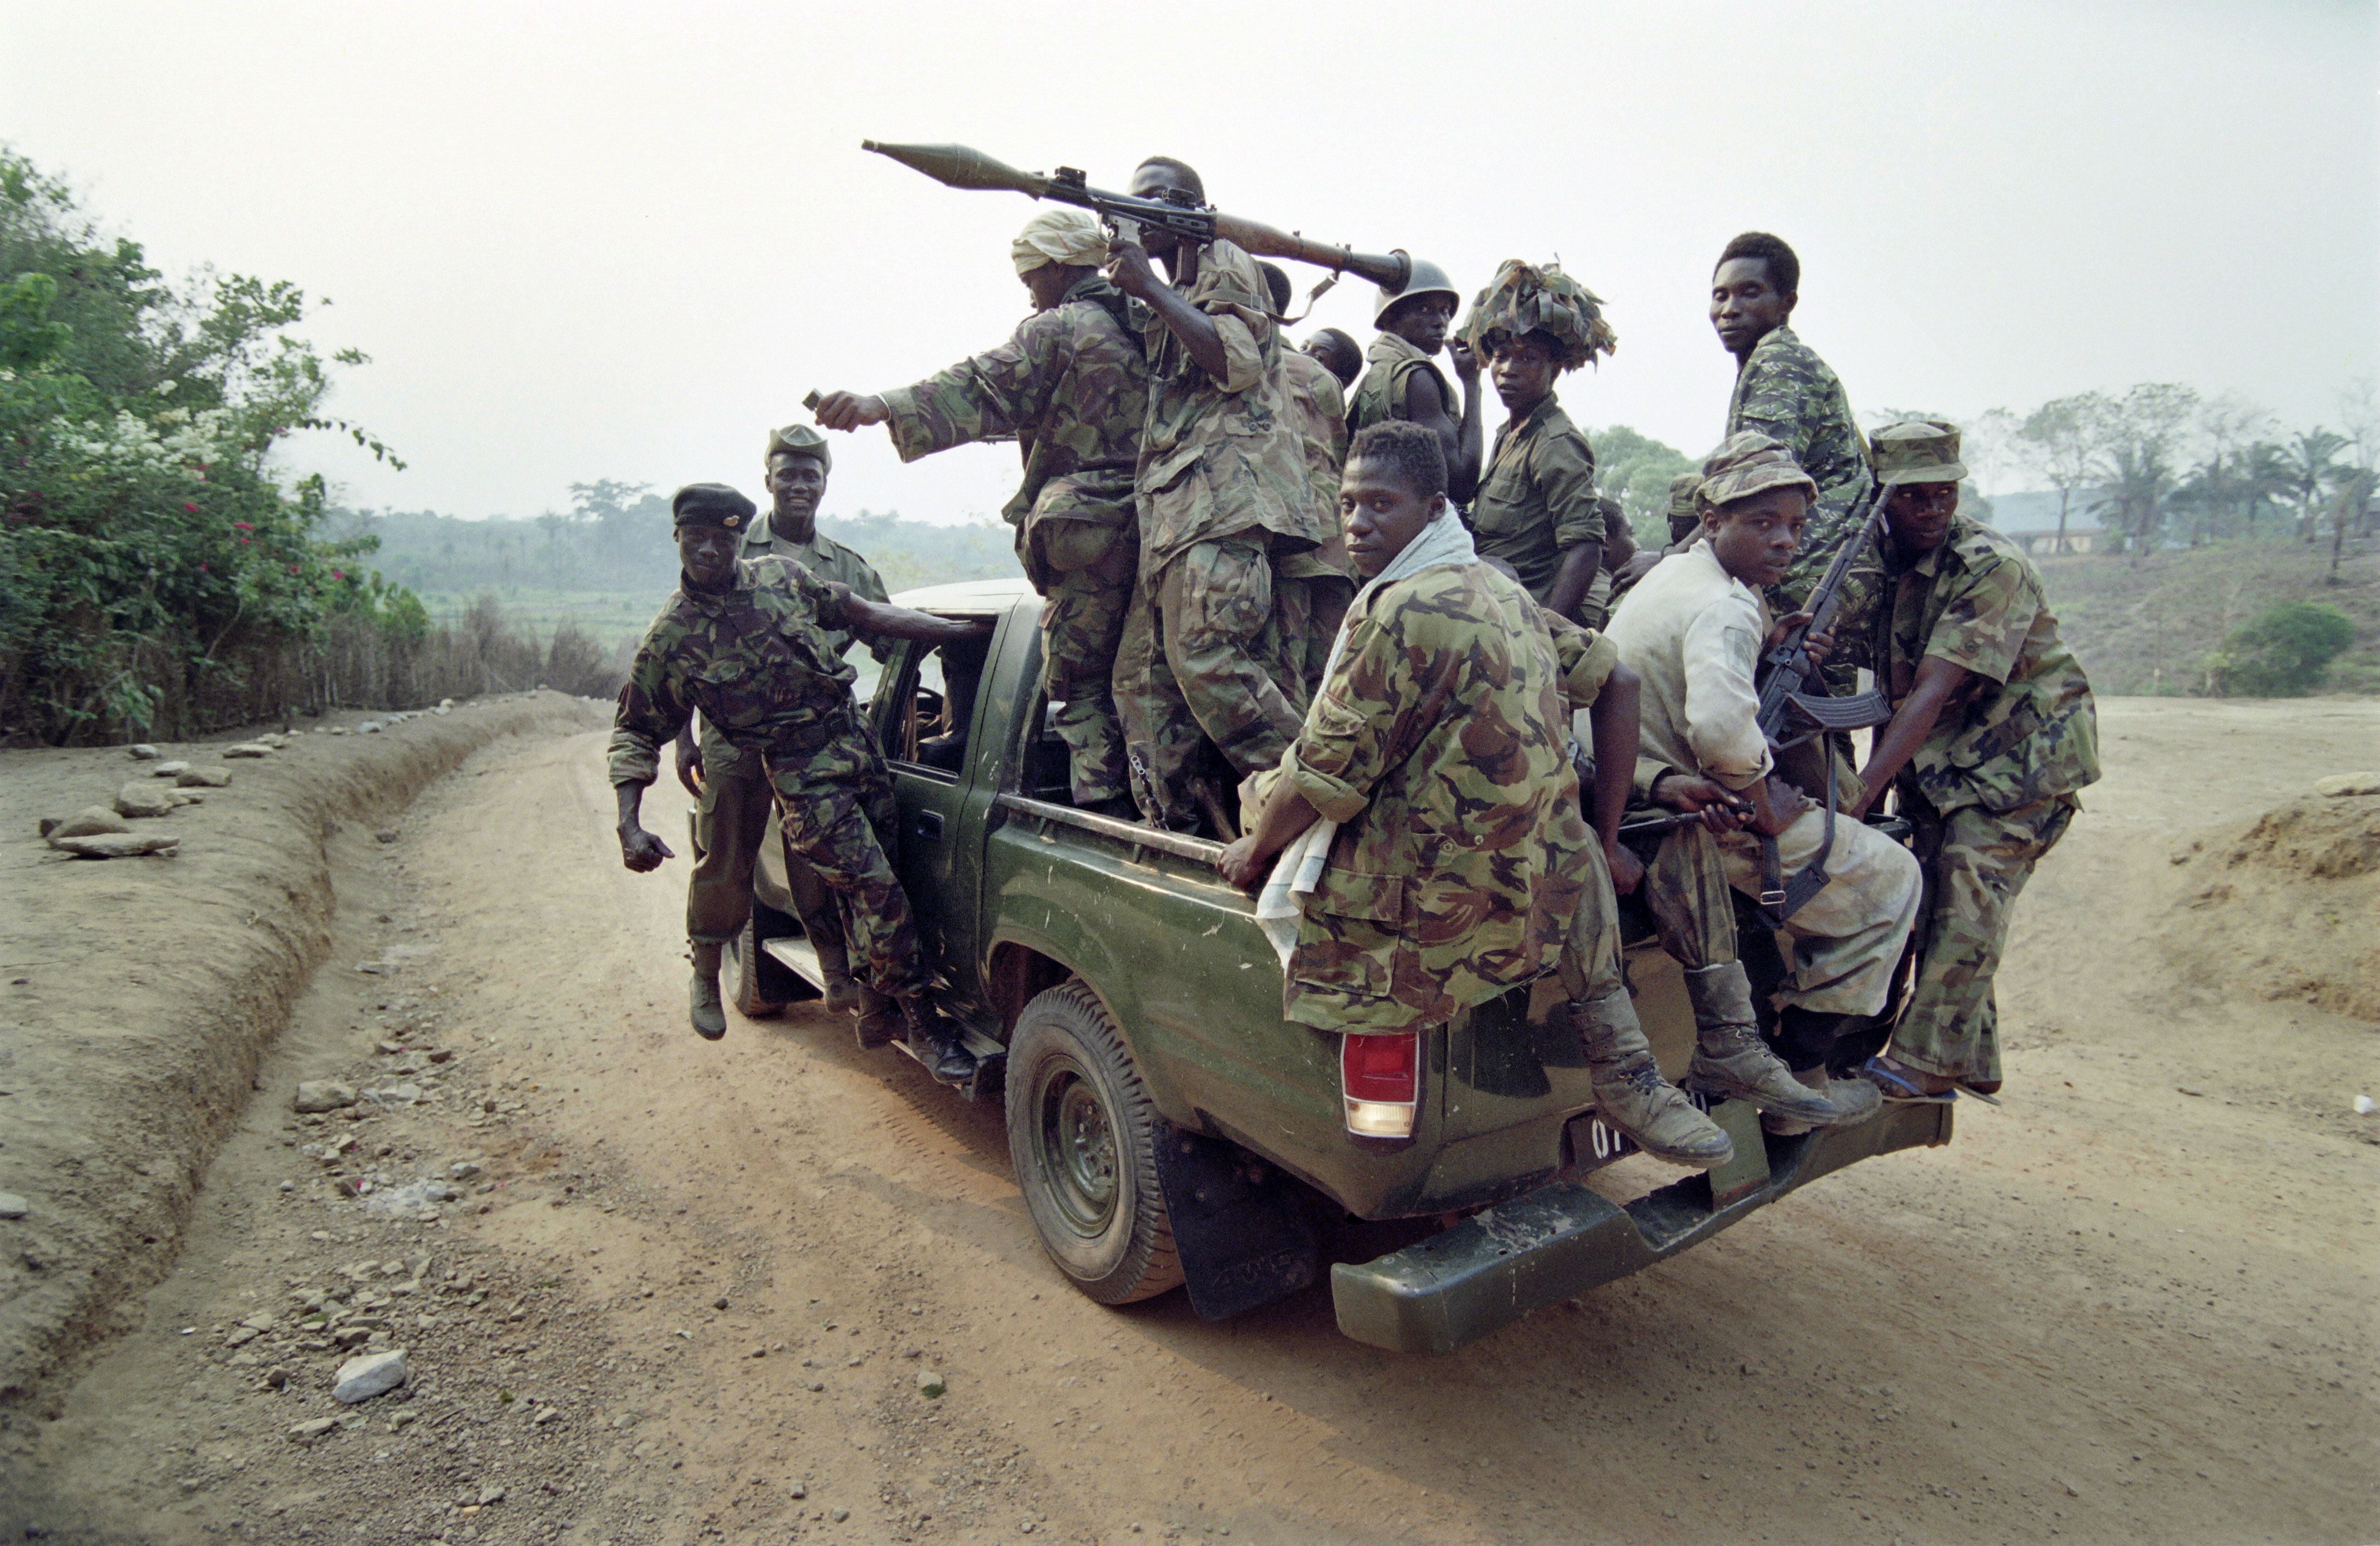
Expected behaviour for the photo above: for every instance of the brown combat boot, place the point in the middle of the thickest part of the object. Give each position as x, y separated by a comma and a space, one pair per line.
1855, 1100
1629, 1092
1730, 1060
879, 1019
841, 989
704, 1006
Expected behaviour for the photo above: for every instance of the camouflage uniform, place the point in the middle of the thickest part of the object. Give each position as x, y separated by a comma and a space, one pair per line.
732, 818
1536, 497
1388, 364
1072, 385
1314, 613
1439, 743
757, 663
1685, 528
1223, 496
1784, 391
1992, 788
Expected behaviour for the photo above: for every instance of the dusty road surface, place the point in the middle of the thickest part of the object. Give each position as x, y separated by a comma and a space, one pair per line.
654, 1290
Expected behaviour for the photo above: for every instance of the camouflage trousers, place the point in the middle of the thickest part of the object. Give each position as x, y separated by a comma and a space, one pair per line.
835, 808
1205, 657
1590, 956
1693, 906
1976, 861
1082, 613
1841, 948
731, 823
1314, 599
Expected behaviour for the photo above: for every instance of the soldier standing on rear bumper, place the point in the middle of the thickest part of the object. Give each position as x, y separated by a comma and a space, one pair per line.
1072, 385
751, 646
734, 791
1993, 734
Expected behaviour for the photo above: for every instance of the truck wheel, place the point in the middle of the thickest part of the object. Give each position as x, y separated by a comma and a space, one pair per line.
1082, 1135
756, 983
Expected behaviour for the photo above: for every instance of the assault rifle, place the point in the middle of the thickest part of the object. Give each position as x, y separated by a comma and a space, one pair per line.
1177, 215
1796, 707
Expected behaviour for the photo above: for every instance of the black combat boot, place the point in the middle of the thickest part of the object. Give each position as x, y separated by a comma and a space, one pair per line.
704, 1009
936, 1041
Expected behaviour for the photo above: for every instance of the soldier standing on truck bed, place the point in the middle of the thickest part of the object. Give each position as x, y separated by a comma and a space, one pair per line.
732, 790
1402, 379
751, 646
1224, 497
1784, 391
1072, 385
1537, 511
1993, 734
1324, 585
1435, 764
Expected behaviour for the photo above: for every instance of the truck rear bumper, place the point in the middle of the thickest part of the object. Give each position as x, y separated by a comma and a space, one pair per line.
1502, 1263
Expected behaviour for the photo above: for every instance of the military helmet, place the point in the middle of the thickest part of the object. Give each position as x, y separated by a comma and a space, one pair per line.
1427, 278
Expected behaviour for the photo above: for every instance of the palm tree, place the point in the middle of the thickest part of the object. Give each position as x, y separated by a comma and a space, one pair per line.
2307, 465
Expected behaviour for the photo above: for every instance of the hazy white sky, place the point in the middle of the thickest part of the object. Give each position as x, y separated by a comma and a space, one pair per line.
603, 241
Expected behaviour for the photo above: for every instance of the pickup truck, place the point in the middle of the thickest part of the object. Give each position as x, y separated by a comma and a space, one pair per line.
1168, 1127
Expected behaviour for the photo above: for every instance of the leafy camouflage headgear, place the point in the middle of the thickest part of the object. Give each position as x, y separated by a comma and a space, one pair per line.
799, 440
1747, 464
711, 505
1524, 298
1917, 451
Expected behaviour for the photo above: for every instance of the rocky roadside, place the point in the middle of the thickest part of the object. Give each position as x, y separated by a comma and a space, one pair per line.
138, 995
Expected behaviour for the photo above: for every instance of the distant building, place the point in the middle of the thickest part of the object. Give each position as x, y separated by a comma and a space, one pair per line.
2032, 520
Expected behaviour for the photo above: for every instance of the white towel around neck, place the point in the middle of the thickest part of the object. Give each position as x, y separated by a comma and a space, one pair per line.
1299, 869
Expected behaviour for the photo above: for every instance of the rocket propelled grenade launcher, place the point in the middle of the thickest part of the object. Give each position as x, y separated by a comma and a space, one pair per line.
960, 167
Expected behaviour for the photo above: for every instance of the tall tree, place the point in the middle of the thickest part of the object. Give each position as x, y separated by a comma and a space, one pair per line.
2143, 433
2064, 440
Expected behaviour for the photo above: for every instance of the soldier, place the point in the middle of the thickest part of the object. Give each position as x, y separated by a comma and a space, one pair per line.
1072, 385
1784, 391
1993, 734
1223, 496
1445, 713
1694, 630
750, 645
1537, 510
734, 794
1619, 547
1339, 352
1311, 614
1685, 526
1402, 380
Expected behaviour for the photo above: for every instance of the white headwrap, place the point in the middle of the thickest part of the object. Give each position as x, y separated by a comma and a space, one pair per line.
1063, 234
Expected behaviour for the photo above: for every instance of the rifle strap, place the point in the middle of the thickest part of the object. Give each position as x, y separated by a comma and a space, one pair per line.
1780, 898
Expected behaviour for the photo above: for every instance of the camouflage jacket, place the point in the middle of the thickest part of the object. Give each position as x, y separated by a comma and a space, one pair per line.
1320, 410
1536, 497
1388, 363
1220, 458
755, 659
1784, 391
1071, 385
826, 558
1440, 744
2028, 729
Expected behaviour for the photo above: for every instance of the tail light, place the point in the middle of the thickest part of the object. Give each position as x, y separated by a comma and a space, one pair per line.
1381, 1077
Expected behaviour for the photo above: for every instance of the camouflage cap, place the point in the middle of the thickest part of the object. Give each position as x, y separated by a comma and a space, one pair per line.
1682, 498
800, 440
1747, 464
1917, 451
711, 505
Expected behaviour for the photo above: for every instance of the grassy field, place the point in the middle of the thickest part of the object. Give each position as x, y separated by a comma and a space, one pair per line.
2148, 627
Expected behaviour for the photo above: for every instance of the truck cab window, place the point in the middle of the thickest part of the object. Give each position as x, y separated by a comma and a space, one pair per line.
936, 703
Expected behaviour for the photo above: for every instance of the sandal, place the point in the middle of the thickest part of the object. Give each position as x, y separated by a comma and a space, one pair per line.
1899, 1088
1987, 1096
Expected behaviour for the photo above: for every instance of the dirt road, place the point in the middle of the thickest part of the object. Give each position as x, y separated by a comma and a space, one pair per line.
2136, 1305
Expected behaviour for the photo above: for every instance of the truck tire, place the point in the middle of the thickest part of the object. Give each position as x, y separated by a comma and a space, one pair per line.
1082, 1135
756, 984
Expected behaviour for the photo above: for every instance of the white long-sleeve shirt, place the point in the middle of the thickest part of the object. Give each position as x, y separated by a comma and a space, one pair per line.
1693, 632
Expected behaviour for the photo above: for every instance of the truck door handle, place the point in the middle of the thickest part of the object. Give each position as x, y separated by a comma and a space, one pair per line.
926, 824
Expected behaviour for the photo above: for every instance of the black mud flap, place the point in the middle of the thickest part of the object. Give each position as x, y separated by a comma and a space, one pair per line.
1243, 1242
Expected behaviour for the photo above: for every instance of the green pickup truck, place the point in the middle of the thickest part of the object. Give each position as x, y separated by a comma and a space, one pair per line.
1168, 1127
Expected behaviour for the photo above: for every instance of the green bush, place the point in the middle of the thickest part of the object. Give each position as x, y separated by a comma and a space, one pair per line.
2284, 652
